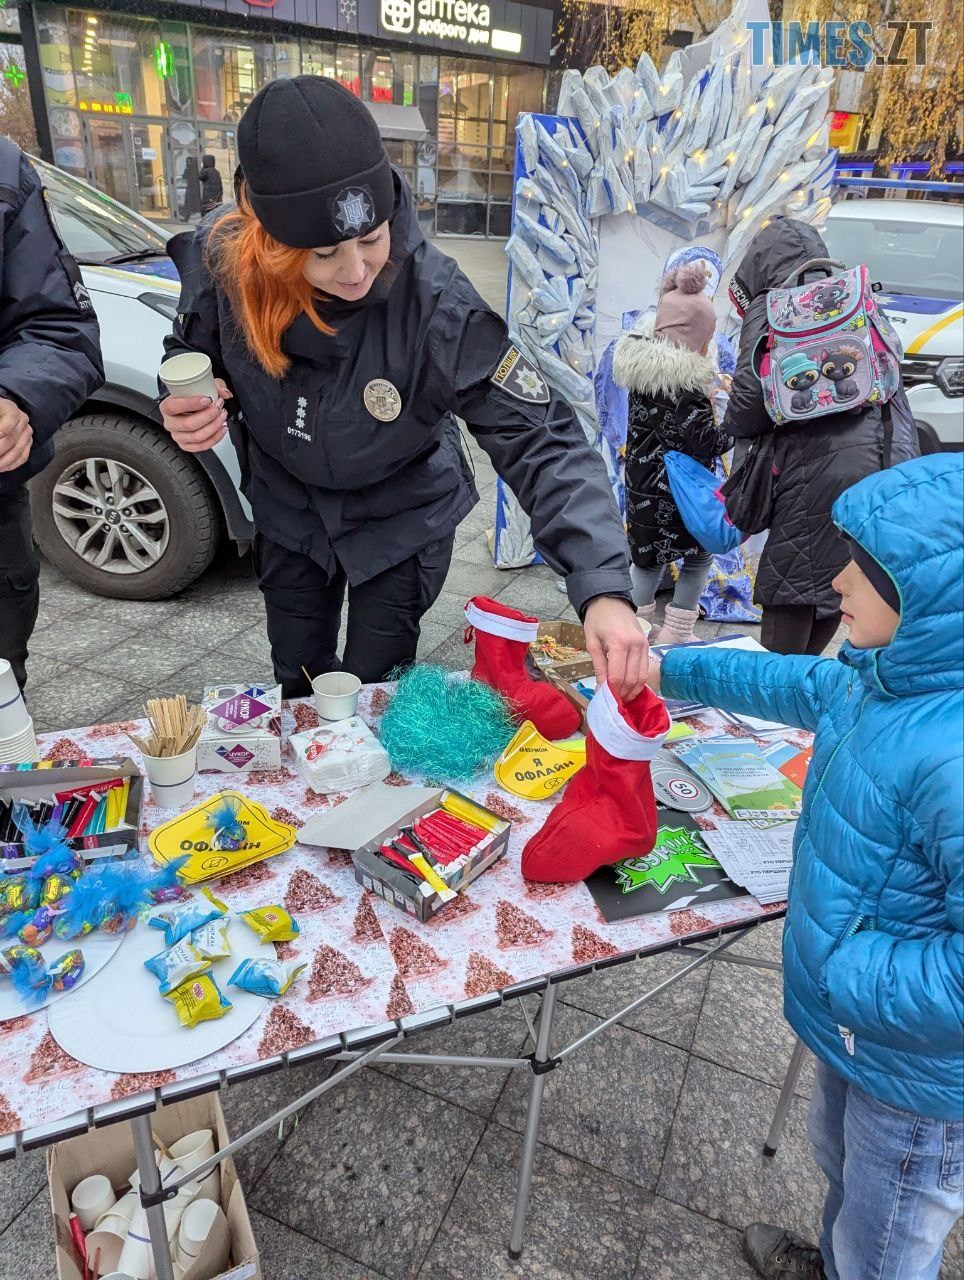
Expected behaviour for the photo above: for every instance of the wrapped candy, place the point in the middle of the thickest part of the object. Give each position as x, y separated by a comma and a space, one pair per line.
20, 893
177, 965
271, 924
270, 978
198, 1000
67, 971
228, 833
211, 940
184, 917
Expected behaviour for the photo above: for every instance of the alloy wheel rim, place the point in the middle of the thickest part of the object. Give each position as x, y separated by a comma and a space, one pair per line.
111, 516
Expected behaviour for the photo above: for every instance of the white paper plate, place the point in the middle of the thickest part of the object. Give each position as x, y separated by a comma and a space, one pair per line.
97, 948
119, 1021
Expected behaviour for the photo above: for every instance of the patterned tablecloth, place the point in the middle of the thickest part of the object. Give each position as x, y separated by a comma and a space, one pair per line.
368, 962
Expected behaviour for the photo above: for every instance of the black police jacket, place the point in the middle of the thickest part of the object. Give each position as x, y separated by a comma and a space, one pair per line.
329, 477
50, 359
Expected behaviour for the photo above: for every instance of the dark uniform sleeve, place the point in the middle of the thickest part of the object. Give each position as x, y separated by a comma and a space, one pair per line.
197, 326
50, 359
540, 450
746, 414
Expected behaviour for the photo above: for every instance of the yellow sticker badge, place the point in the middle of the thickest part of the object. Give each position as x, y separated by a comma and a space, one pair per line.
534, 768
194, 835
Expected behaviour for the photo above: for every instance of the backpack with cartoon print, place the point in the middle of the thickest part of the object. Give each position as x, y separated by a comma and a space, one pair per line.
829, 347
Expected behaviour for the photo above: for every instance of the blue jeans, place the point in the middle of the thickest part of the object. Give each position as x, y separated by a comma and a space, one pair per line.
895, 1184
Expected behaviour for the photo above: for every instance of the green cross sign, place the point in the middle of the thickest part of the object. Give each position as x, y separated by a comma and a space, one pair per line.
16, 76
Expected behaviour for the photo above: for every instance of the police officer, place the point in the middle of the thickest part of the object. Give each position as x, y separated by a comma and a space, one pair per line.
50, 363
348, 344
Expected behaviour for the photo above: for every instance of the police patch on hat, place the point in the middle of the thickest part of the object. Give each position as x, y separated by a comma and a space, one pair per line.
353, 211
519, 378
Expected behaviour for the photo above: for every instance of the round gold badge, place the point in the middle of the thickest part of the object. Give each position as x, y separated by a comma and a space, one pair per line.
382, 400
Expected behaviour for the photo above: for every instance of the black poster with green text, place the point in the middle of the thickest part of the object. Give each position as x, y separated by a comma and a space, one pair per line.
678, 872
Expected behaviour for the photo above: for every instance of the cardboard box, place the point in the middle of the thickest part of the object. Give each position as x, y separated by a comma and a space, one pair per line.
49, 777
420, 899
243, 728
111, 1151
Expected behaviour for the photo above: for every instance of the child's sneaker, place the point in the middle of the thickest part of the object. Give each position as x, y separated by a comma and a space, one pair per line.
776, 1254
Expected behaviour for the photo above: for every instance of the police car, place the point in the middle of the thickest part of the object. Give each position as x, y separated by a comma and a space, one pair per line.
176, 507
915, 248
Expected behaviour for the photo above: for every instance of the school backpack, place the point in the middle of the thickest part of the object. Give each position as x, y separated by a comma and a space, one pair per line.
829, 347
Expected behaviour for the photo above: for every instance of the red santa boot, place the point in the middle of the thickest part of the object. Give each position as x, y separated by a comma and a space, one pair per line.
502, 639
608, 811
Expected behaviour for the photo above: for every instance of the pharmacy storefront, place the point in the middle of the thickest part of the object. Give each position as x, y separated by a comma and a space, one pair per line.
134, 95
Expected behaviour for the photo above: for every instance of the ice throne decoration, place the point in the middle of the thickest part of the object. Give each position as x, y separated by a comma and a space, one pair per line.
637, 166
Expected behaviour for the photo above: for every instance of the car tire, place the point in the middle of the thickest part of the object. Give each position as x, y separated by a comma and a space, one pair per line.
927, 438
184, 518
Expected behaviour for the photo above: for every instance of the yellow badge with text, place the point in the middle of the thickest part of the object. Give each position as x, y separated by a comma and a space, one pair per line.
195, 835
534, 768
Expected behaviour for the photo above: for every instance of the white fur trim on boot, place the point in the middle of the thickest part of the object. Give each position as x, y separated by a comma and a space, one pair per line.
612, 732
678, 626
494, 624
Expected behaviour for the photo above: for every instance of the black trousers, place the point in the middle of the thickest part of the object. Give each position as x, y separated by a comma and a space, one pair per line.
19, 581
795, 628
304, 606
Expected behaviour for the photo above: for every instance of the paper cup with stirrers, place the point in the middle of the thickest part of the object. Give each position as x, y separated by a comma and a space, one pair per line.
170, 750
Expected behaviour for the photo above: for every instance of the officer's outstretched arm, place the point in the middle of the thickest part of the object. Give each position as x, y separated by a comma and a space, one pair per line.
541, 451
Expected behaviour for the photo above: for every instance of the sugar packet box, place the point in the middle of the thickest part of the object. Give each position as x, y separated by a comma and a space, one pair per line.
243, 728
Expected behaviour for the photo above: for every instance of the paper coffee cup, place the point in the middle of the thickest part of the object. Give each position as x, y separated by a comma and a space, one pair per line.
189, 374
91, 1198
336, 694
203, 1235
13, 710
137, 1258
20, 748
106, 1243
190, 1152
118, 1217
172, 778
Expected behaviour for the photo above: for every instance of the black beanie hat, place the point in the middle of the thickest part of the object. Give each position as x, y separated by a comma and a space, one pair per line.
313, 162
876, 574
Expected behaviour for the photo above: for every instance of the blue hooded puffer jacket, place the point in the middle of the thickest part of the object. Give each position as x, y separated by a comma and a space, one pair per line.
874, 943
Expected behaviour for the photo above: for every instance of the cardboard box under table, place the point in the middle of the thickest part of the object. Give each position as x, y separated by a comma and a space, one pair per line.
46, 779
376, 814
111, 1151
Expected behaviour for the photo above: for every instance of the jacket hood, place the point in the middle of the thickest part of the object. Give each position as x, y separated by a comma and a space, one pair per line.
656, 366
910, 518
775, 251
207, 162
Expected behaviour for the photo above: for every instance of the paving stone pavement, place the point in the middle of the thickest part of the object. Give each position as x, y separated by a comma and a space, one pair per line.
650, 1157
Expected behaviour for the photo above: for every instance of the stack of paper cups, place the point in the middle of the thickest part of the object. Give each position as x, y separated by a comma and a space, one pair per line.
18, 743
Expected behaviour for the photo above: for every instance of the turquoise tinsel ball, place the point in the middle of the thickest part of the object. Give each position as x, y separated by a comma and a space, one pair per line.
443, 726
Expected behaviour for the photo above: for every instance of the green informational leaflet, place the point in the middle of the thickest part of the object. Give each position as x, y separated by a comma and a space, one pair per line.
741, 777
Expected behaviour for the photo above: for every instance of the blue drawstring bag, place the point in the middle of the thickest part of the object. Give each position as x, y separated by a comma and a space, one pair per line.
696, 493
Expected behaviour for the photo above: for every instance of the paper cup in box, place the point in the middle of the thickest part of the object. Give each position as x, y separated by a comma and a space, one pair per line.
190, 1153
191, 834
91, 1199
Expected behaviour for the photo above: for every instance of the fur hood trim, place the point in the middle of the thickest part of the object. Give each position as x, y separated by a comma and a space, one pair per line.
653, 366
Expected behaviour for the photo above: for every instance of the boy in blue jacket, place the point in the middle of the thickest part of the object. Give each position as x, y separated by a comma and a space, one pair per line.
873, 949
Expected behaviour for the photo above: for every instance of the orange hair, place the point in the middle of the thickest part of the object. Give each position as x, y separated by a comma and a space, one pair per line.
265, 283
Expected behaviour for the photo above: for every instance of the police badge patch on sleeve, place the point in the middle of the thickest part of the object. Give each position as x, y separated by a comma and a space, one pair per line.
519, 378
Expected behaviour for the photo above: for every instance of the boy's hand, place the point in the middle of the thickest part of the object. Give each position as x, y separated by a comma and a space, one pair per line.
654, 672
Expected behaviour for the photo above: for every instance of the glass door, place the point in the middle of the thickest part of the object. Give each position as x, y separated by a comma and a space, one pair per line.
108, 158
148, 155
221, 143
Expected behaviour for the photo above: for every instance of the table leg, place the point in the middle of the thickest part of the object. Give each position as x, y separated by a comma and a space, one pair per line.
786, 1097
533, 1112
151, 1183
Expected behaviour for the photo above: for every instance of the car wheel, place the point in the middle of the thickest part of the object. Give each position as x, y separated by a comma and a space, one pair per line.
122, 511
927, 438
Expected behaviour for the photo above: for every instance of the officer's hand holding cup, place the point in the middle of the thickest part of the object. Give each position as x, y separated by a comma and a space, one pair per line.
16, 435
194, 413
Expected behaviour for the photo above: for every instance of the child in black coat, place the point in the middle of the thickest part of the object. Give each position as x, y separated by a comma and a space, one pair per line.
665, 367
